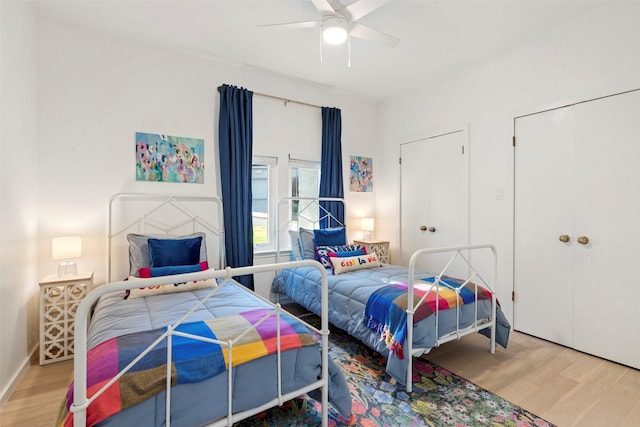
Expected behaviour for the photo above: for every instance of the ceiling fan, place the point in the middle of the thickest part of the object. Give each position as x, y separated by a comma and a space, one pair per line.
339, 23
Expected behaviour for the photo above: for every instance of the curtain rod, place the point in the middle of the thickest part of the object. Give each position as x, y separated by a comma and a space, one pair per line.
286, 101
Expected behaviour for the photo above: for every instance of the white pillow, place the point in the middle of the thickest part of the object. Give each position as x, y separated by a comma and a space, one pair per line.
168, 288
342, 265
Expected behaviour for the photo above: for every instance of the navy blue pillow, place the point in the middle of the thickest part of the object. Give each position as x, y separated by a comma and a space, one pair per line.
335, 236
172, 269
170, 252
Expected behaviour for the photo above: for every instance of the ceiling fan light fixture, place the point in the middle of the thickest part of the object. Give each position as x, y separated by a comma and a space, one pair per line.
334, 30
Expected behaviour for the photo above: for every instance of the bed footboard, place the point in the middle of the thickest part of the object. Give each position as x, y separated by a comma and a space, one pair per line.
474, 279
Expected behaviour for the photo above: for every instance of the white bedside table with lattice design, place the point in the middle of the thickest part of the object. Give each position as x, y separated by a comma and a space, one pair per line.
380, 247
59, 300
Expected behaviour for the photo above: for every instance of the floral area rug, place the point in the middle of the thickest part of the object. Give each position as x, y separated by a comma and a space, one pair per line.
439, 397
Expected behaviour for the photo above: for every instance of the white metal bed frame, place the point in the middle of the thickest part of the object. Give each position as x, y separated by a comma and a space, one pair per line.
81, 401
458, 252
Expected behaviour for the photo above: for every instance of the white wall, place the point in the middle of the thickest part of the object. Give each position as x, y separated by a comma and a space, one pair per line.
96, 91
18, 193
588, 56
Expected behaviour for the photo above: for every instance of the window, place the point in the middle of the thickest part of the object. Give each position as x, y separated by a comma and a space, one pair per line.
263, 185
305, 182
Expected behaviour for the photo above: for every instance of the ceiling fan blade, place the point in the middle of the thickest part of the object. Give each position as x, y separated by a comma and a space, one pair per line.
323, 6
361, 31
293, 25
363, 7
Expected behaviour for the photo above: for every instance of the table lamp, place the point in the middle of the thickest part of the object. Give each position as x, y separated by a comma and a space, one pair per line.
367, 226
66, 248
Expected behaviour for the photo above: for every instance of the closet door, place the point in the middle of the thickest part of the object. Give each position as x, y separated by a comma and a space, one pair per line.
434, 198
544, 171
577, 172
607, 206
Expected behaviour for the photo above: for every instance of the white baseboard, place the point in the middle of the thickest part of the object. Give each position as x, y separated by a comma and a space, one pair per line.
6, 393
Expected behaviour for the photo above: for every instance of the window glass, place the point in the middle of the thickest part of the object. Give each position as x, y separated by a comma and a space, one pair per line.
263, 184
305, 182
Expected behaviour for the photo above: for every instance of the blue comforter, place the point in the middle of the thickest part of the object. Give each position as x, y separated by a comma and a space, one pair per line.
348, 296
198, 403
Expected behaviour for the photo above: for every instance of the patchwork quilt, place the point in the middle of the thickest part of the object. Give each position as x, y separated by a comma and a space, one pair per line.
192, 360
385, 311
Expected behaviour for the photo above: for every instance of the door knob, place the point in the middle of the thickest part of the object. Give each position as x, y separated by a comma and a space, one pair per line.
431, 229
564, 238
423, 228
583, 240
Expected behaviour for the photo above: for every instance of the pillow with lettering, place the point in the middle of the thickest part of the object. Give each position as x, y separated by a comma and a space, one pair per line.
322, 253
342, 265
167, 288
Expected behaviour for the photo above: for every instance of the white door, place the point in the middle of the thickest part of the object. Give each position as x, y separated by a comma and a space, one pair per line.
543, 204
434, 197
607, 213
577, 173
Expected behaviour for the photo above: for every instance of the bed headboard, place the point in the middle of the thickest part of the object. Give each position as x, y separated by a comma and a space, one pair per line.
162, 214
294, 213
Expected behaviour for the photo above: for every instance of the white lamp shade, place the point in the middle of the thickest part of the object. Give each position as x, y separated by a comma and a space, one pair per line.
367, 224
334, 30
66, 247
334, 35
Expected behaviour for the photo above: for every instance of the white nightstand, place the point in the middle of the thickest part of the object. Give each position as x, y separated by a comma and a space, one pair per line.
59, 300
380, 247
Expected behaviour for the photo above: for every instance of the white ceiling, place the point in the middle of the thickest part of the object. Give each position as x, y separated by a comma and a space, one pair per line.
436, 37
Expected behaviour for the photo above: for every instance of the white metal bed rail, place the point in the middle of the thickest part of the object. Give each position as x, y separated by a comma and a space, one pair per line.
81, 401
478, 324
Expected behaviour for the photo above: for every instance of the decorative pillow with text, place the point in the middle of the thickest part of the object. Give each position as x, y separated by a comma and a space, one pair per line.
322, 253
168, 288
342, 265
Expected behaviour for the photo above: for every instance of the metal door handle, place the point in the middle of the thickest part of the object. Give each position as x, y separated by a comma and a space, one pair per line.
432, 229
564, 238
423, 228
583, 240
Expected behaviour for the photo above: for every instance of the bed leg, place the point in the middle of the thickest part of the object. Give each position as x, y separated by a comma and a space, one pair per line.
493, 337
409, 379
325, 405
494, 325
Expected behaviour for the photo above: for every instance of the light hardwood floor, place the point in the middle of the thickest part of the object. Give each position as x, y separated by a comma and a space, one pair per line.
564, 386
36, 399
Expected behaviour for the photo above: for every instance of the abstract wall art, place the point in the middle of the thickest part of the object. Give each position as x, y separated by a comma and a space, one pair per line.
165, 158
361, 172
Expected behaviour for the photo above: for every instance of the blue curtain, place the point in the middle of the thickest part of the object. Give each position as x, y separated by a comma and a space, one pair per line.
331, 166
235, 137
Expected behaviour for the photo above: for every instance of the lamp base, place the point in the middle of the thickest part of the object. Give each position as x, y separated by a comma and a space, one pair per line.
67, 268
366, 235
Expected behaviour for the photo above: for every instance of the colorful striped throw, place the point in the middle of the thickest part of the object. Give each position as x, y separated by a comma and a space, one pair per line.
386, 314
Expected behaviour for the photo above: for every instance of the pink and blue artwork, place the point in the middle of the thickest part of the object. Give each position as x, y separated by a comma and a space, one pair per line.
165, 158
361, 174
